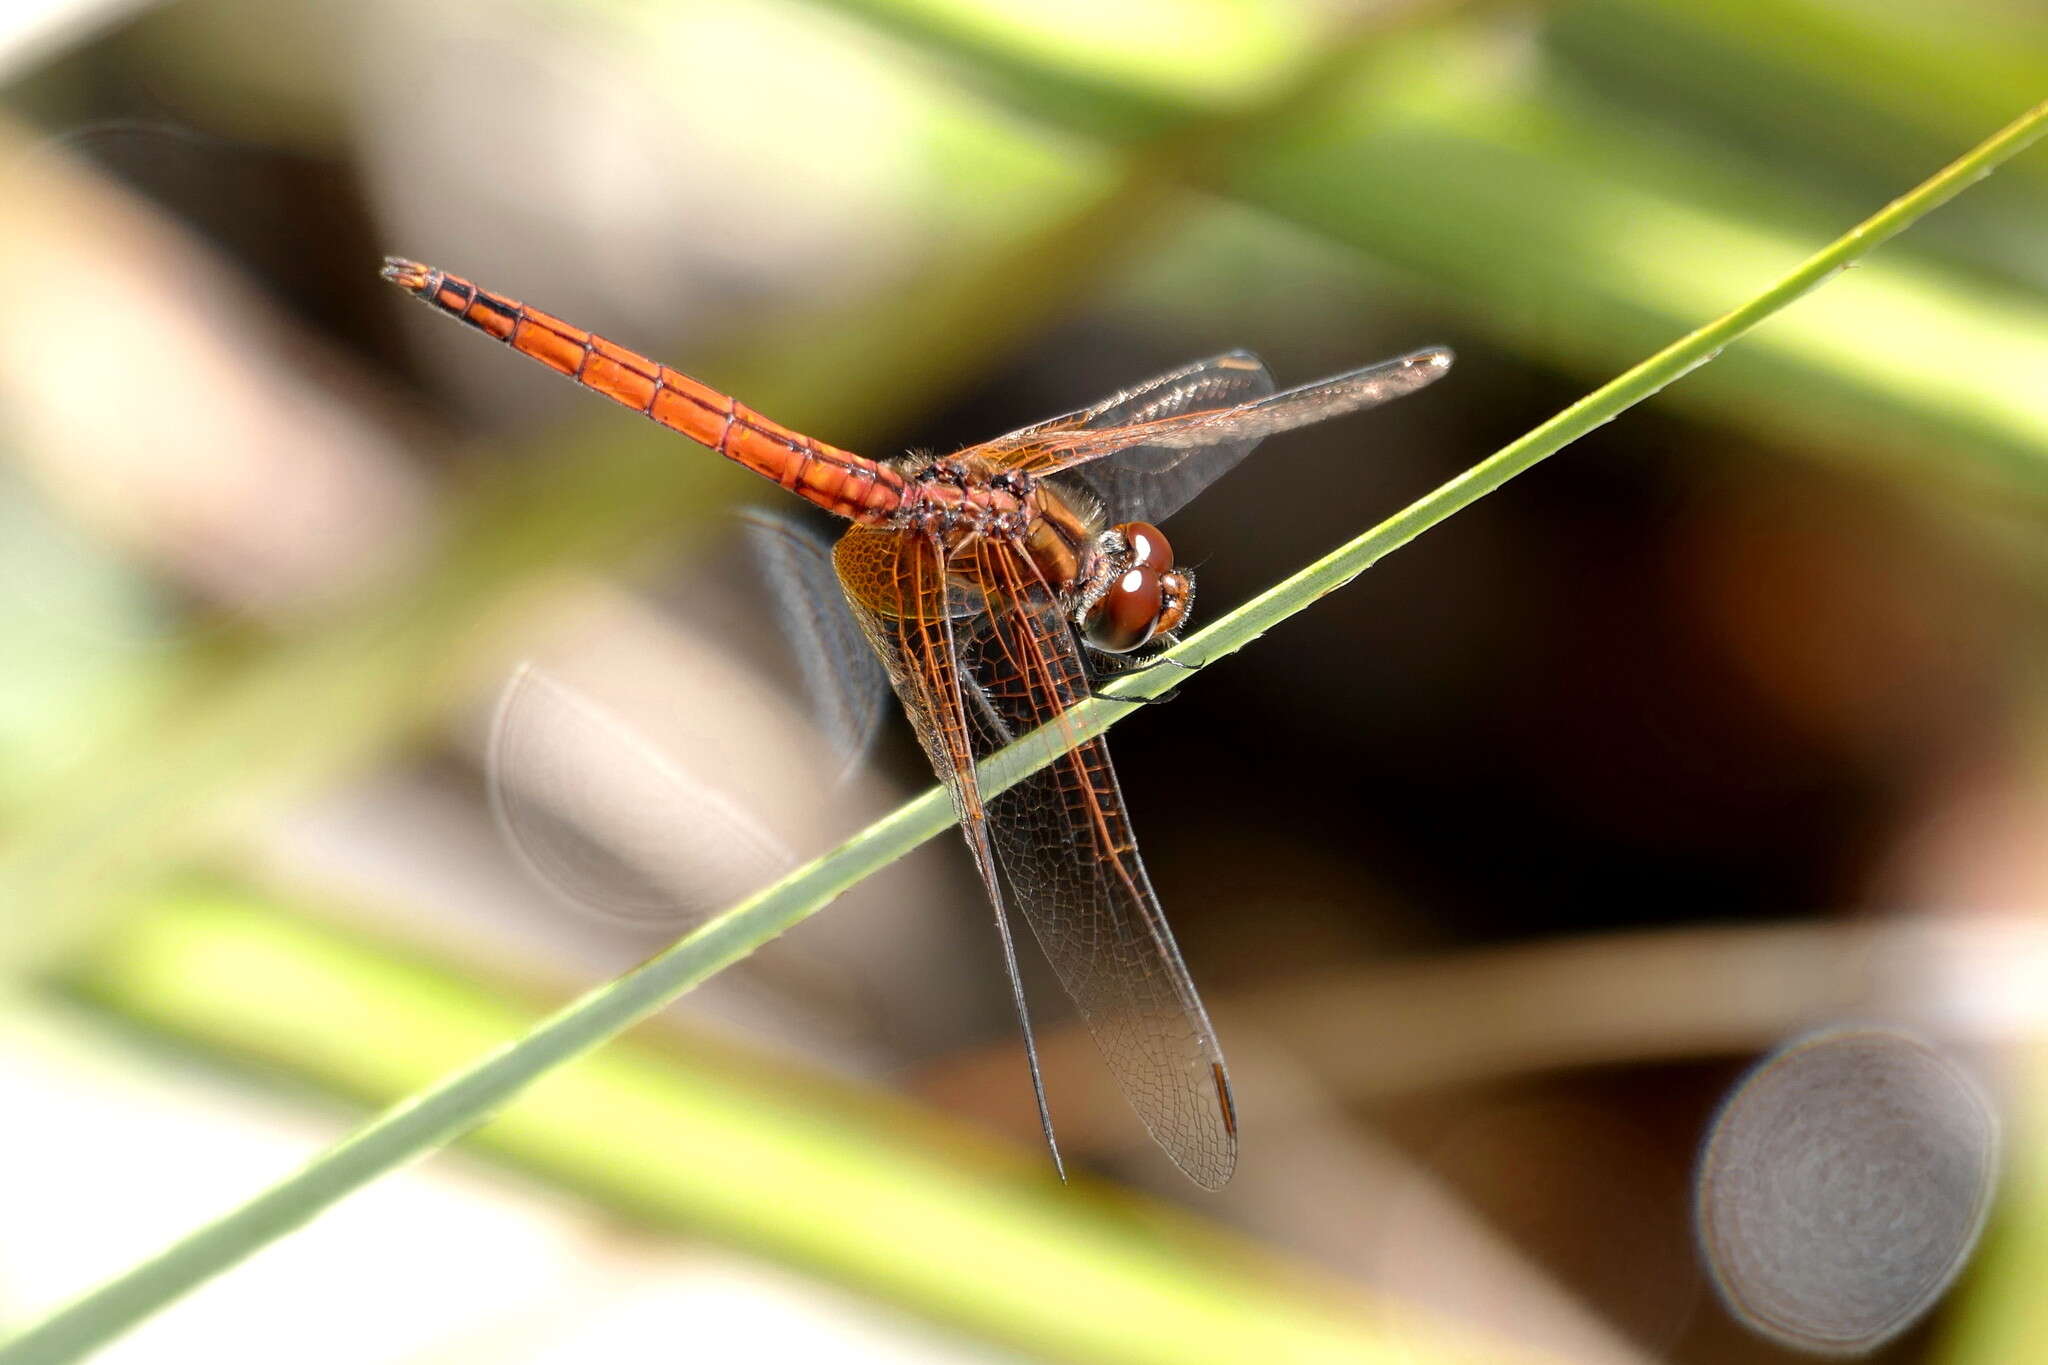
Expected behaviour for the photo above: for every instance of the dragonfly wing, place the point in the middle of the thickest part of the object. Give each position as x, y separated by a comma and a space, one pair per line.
1064, 844
1218, 379
632, 829
1145, 483
841, 679
607, 821
1178, 453
913, 609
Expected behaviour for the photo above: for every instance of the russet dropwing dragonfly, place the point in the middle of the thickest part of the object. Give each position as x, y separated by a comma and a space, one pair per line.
993, 584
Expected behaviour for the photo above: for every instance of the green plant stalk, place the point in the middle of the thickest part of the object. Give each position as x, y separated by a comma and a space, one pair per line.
1514, 199
436, 1115
1997, 1316
714, 1141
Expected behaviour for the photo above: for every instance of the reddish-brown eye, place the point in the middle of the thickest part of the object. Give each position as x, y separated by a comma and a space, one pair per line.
1148, 546
1123, 618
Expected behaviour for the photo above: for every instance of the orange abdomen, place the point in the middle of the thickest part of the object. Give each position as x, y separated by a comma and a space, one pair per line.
836, 480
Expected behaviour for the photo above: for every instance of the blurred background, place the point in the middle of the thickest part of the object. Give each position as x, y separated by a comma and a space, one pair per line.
1497, 869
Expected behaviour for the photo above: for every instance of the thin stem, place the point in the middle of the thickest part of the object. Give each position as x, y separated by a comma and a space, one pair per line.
437, 1115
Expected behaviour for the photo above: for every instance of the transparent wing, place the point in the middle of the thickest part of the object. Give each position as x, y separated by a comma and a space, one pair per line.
842, 681
1064, 843
600, 816
912, 608
972, 684
645, 831
1158, 461
1146, 483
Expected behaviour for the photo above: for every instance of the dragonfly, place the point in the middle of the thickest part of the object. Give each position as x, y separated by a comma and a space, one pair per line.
998, 585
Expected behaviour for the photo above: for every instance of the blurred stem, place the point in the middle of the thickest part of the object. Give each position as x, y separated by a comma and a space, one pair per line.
1998, 1315
1063, 261
1567, 233
712, 1140
434, 1116
1607, 402
1935, 79
1584, 232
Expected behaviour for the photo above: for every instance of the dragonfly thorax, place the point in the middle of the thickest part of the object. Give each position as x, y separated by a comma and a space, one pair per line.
956, 499
1131, 591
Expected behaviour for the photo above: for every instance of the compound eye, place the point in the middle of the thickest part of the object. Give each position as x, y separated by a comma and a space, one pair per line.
1148, 546
1128, 614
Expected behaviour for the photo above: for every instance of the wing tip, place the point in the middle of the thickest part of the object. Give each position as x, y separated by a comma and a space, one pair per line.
1204, 1154
1214, 1172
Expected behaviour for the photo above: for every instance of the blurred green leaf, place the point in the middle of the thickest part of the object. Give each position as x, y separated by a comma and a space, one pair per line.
878, 1195
1457, 151
1536, 220
1997, 1316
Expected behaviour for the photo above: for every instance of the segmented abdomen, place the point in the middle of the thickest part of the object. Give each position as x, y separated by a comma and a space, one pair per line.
836, 480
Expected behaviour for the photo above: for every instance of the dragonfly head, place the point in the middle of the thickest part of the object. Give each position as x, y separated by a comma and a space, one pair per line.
1140, 595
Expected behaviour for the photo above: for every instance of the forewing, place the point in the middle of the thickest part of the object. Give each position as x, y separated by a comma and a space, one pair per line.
1145, 482
1177, 454
1064, 843
1217, 369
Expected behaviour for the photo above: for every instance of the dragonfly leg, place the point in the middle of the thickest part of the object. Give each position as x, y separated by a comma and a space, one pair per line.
1169, 694
1111, 672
